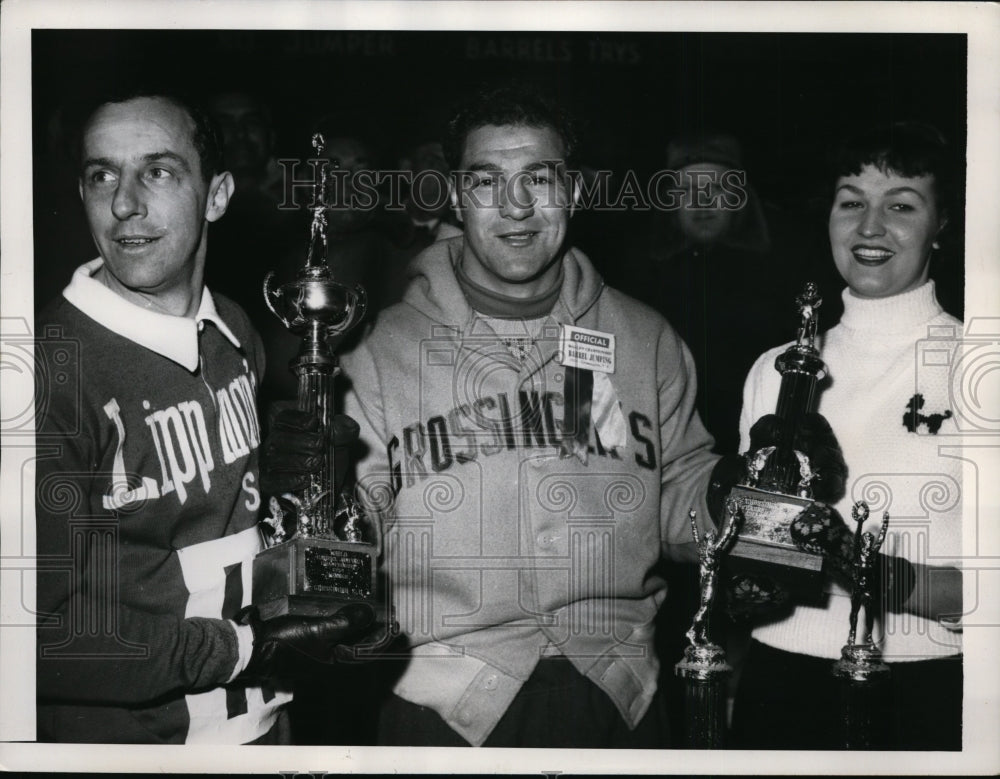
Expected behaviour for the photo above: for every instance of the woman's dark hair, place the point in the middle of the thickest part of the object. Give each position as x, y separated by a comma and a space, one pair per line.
909, 149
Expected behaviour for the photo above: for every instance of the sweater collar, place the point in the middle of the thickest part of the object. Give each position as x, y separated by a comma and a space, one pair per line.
173, 337
894, 314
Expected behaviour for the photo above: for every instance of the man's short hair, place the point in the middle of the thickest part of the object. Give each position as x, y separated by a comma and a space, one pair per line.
207, 136
507, 104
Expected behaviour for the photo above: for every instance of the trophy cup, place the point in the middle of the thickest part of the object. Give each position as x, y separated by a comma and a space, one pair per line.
325, 561
779, 477
861, 673
704, 668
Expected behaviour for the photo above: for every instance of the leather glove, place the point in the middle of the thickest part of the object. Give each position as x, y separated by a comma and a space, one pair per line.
295, 446
727, 473
815, 439
289, 647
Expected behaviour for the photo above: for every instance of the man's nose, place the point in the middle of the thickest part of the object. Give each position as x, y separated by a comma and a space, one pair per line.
516, 200
128, 200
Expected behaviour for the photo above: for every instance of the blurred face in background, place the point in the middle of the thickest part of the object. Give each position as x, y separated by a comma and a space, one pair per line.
246, 131
704, 218
882, 230
350, 179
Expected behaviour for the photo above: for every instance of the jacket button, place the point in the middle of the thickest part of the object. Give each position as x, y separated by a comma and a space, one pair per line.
491, 682
464, 717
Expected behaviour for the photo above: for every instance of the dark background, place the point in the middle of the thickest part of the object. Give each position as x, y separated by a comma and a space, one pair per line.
786, 96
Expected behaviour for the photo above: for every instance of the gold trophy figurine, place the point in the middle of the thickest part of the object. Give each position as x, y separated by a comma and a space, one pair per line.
861, 674
325, 560
704, 668
778, 486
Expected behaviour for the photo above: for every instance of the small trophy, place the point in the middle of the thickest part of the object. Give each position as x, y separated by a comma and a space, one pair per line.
704, 667
324, 560
779, 478
860, 670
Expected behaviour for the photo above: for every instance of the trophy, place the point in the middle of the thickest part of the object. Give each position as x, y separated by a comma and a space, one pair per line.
861, 673
704, 667
778, 483
323, 560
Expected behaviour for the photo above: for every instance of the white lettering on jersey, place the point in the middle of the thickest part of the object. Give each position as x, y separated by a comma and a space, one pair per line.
182, 446
121, 495
234, 443
253, 501
203, 567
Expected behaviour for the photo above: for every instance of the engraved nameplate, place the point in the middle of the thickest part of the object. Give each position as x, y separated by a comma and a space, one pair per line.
342, 571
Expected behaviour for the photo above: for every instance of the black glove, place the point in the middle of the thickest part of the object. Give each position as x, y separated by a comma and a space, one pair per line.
815, 439
288, 647
727, 473
295, 446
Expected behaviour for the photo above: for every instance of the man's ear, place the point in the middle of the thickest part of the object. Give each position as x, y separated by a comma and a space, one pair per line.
219, 192
453, 196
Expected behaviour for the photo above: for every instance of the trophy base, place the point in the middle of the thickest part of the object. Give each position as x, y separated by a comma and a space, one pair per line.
315, 577
703, 662
705, 673
764, 545
860, 663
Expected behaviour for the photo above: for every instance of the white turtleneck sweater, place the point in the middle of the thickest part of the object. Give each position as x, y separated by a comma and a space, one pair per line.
882, 353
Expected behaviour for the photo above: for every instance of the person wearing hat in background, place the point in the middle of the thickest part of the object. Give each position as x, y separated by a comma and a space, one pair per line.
705, 262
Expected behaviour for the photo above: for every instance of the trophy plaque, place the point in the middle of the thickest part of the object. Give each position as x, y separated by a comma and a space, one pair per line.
321, 560
778, 483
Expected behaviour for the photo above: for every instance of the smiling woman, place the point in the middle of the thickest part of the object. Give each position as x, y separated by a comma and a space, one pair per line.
888, 410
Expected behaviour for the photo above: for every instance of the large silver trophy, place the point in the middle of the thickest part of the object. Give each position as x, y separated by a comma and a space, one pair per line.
779, 479
315, 564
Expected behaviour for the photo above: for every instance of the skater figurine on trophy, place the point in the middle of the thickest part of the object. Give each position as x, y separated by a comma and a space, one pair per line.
704, 667
321, 559
861, 673
861, 659
779, 477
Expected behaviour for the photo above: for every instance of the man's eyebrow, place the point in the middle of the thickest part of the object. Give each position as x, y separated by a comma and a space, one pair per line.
98, 162
480, 167
546, 165
155, 156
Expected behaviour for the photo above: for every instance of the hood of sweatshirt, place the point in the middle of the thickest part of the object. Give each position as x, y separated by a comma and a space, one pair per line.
435, 292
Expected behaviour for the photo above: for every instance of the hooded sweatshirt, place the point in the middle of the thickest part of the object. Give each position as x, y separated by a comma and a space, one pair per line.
500, 551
